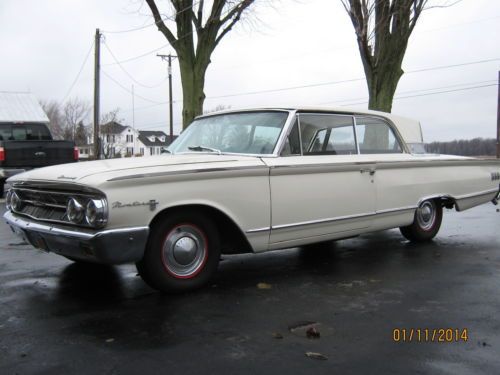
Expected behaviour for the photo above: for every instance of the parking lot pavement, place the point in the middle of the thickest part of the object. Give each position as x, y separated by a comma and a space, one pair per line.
57, 317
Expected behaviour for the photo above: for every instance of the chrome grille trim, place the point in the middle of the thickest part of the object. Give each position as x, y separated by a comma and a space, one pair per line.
49, 205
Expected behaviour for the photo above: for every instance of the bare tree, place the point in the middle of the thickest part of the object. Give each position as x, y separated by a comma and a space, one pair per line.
74, 111
56, 121
81, 134
111, 116
383, 28
199, 28
217, 108
111, 146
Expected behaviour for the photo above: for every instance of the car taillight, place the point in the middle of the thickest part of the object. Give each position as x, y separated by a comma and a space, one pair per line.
76, 154
2, 154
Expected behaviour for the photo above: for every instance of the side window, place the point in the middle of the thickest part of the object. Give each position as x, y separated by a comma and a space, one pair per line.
19, 133
376, 137
292, 142
327, 135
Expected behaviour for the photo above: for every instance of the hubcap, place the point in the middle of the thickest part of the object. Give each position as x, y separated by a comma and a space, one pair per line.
184, 251
426, 215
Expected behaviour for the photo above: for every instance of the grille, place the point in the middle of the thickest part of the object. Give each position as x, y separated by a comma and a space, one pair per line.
43, 205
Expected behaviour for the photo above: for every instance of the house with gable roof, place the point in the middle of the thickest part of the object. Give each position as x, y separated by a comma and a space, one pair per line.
151, 142
122, 140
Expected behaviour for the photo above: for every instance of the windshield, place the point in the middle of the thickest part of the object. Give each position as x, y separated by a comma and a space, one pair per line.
241, 133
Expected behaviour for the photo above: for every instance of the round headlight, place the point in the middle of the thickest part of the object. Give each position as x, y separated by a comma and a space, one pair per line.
95, 212
8, 198
16, 204
75, 211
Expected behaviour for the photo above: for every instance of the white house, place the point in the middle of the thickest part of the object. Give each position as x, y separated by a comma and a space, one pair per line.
119, 140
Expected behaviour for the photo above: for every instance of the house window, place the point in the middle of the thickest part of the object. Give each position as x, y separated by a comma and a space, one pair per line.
142, 150
114, 139
130, 137
151, 151
107, 138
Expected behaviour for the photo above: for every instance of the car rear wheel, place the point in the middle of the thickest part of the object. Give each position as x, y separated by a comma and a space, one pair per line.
182, 253
426, 222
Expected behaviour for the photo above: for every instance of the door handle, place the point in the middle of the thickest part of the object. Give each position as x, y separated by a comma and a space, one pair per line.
371, 171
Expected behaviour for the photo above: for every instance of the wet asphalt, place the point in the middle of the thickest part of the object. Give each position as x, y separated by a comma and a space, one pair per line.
57, 317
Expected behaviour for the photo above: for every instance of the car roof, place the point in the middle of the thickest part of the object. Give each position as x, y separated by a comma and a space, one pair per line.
409, 129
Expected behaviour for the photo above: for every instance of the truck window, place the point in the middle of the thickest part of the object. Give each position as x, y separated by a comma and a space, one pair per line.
24, 132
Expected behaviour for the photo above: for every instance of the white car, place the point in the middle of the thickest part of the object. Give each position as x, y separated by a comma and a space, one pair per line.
247, 181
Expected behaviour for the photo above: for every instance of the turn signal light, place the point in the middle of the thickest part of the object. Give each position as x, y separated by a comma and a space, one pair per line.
2, 154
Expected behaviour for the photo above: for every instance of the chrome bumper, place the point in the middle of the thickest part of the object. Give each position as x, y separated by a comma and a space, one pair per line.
113, 246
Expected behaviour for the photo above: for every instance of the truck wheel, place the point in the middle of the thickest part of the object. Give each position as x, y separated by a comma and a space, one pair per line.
182, 253
426, 223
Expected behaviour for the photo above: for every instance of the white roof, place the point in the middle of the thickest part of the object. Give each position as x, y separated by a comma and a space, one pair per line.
409, 129
20, 107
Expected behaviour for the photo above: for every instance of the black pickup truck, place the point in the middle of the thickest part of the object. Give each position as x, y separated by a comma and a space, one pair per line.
26, 146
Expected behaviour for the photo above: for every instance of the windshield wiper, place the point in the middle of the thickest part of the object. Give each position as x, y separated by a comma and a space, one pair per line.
204, 148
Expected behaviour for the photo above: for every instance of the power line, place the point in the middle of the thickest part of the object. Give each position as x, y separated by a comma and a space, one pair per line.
129, 91
429, 93
78, 74
129, 75
289, 88
346, 80
138, 56
410, 91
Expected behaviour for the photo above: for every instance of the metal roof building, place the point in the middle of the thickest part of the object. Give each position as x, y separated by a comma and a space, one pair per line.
20, 107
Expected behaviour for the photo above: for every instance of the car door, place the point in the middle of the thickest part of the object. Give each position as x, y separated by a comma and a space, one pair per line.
321, 188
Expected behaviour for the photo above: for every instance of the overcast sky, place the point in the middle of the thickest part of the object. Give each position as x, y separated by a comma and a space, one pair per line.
295, 43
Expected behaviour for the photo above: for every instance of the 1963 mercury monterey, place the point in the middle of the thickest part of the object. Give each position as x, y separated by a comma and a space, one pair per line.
247, 181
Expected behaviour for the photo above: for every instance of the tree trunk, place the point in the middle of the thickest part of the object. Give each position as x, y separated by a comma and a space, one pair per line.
382, 87
193, 95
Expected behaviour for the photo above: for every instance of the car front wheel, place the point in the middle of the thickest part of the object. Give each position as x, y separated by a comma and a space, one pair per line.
426, 222
182, 253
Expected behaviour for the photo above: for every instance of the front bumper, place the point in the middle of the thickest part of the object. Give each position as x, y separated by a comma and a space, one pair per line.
112, 246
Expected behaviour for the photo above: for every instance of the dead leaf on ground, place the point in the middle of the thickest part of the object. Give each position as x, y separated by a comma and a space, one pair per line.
264, 286
314, 355
277, 335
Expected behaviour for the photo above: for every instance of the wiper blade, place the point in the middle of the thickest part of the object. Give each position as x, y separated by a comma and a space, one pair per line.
204, 148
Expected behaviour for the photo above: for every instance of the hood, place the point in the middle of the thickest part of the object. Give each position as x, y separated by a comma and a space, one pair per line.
100, 170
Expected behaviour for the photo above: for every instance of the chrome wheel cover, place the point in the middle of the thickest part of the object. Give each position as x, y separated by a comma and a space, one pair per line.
184, 251
426, 215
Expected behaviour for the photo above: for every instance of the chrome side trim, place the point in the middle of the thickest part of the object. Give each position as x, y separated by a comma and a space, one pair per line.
391, 210
320, 168
379, 165
321, 221
347, 217
188, 172
472, 195
257, 230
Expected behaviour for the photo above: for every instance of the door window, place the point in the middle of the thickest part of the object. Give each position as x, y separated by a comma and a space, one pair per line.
376, 137
327, 134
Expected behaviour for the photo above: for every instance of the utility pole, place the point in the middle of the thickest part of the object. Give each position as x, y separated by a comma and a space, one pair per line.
97, 67
498, 118
133, 121
169, 58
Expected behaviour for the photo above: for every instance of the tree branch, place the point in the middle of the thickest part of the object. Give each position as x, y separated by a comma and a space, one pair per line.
160, 24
